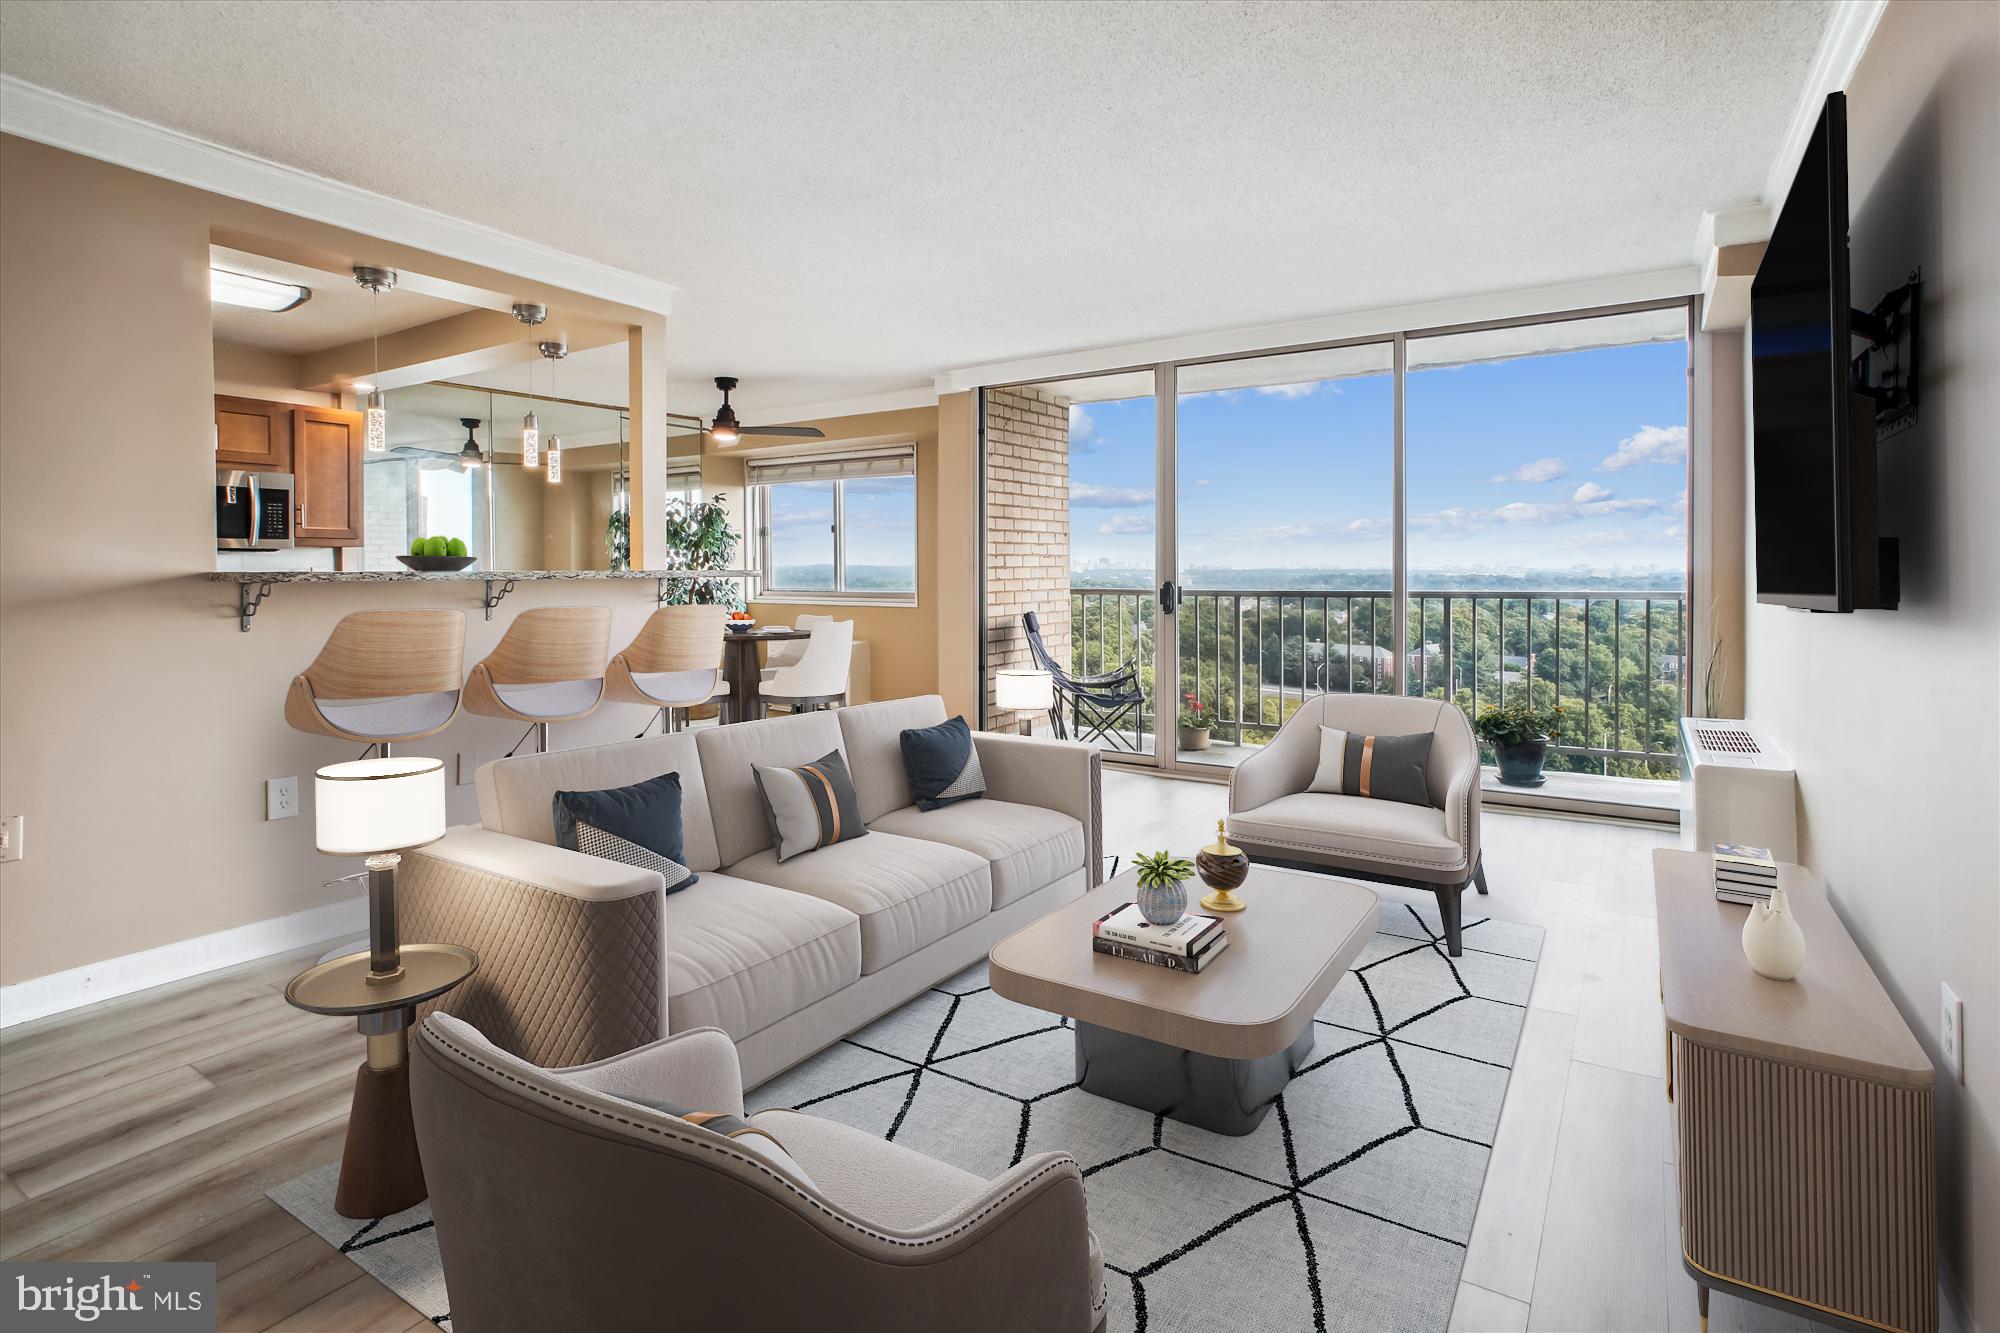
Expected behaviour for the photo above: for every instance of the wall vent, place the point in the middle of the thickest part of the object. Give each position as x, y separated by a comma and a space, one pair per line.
1725, 740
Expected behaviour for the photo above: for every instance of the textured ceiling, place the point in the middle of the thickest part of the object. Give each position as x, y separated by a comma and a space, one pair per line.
856, 196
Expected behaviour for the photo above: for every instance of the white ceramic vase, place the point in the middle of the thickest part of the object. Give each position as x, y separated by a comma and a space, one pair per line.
1772, 940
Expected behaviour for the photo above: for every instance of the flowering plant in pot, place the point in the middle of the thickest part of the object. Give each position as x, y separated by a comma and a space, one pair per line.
1520, 737
1194, 723
1162, 886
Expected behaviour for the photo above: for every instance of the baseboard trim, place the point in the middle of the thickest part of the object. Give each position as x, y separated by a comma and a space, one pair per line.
60, 992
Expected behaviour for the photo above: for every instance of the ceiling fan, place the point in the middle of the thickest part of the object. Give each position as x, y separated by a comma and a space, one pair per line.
725, 431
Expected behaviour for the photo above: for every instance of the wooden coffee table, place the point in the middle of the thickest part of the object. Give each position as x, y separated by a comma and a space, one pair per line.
1213, 1049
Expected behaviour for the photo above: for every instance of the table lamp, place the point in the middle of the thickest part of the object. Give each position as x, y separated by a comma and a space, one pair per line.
1024, 691
377, 808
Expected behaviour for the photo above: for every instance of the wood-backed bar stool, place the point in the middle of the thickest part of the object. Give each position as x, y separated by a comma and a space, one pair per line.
674, 663
548, 667
382, 677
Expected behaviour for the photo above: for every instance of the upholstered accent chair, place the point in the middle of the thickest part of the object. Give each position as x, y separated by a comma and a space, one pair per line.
564, 1200
1277, 821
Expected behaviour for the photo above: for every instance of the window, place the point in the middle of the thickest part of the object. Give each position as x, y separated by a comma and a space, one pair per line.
838, 527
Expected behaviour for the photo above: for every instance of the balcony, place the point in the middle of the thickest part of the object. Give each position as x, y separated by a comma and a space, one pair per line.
1614, 660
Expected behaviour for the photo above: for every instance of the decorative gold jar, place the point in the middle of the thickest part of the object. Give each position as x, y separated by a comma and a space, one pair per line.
1223, 868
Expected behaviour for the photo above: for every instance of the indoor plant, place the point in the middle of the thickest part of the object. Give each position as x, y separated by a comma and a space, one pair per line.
1520, 736
1194, 724
699, 537
1162, 886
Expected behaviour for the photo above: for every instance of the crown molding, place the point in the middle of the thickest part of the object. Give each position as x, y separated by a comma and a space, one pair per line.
60, 121
1840, 49
1658, 285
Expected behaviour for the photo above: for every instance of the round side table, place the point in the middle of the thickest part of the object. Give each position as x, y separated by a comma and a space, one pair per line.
379, 1169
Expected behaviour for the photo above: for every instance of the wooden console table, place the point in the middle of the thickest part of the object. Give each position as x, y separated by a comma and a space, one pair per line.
1803, 1115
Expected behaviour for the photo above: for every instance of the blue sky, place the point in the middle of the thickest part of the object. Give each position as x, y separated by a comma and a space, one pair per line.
1568, 461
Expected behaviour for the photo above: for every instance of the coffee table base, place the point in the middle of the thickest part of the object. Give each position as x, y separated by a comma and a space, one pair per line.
1206, 1091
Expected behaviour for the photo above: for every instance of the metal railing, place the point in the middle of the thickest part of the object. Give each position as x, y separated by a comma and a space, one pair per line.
1615, 661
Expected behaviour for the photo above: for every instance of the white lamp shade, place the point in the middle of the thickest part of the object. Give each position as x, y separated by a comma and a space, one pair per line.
1024, 691
378, 805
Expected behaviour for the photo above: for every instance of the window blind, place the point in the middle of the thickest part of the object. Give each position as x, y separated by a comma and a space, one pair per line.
683, 474
900, 461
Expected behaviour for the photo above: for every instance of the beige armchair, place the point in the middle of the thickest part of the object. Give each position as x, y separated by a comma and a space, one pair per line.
1274, 819
564, 1200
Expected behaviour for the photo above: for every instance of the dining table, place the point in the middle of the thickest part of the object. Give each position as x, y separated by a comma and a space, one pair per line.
744, 669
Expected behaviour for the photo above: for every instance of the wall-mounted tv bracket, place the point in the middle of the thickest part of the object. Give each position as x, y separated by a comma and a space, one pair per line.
1886, 370
492, 598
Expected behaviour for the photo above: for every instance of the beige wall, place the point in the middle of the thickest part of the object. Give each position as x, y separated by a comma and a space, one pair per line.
137, 725
257, 372
902, 640
1891, 716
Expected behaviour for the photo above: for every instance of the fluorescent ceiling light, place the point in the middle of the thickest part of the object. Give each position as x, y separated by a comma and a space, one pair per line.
256, 293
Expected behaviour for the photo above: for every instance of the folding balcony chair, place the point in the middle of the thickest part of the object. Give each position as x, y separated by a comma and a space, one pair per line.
1097, 705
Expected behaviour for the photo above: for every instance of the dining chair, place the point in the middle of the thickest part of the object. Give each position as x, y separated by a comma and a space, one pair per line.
788, 652
382, 677
820, 678
548, 667
674, 664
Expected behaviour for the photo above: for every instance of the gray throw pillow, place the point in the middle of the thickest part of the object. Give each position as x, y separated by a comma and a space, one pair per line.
811, 806
1388, 768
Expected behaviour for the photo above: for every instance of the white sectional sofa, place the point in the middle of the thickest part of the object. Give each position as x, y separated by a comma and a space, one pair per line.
582, 958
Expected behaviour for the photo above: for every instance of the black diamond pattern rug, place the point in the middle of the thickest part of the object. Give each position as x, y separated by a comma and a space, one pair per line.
1349, 1208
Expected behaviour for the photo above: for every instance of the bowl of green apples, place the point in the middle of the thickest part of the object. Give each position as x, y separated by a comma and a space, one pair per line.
437, 555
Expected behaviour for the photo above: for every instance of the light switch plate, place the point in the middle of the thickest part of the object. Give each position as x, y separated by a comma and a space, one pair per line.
1951, 1031
281, 798
13, 832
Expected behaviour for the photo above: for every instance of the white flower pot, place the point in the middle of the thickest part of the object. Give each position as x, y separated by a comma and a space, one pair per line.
1772, 940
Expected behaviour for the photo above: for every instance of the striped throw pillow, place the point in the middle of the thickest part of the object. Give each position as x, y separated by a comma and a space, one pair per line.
809, 807
1389, 768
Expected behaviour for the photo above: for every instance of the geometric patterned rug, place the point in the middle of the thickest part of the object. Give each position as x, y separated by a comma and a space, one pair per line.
1349, 1208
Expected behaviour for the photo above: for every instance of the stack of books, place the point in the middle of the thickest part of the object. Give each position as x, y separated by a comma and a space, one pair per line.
1744, 874
1188, 945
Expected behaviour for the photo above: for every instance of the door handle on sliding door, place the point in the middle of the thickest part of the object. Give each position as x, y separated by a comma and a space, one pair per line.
1170, 597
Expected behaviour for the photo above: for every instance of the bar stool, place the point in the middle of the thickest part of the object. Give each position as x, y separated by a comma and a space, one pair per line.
548, 667
820, 678
675, 662
382, 677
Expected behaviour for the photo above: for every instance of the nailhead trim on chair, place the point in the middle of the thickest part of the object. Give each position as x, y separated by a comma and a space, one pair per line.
743, 1159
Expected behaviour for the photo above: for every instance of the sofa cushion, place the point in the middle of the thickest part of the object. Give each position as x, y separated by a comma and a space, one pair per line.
881, 1182
639, 825
727, 754
1029, 847
1388, 768
942, 764
741, 955
908, 892
809, 807
517, 795
1356, 826
872, 734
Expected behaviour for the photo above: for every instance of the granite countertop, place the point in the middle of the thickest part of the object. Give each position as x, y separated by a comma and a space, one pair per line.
459, 576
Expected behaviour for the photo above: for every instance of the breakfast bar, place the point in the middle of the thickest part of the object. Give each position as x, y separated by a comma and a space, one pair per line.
254, 585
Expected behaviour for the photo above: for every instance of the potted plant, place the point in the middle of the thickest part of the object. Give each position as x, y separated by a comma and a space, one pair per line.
699, 537
1194, 724
1162, 886
1520, 736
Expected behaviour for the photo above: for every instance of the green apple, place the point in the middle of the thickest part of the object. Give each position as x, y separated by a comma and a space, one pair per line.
456, 546
435, 546
417, 546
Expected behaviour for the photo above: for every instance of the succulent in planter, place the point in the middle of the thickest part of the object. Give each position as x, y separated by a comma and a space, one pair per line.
1520, 736
1162, 886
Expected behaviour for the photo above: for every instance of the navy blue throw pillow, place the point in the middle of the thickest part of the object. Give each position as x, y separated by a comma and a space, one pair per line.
942, 763
639, 825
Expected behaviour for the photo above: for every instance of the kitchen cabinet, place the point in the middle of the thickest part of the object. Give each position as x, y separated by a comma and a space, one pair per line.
327, 445
253, 434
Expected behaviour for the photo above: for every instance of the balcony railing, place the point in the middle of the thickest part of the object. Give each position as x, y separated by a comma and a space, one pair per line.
1614, 661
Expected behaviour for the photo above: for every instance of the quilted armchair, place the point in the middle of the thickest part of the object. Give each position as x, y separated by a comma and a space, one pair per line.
567, 1199
1276, 821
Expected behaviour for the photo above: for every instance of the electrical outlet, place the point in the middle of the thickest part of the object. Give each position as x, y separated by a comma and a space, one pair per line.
1951, 1032
281, 798
13, 835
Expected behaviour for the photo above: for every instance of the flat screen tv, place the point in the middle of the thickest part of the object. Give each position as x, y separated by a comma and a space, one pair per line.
1814, 437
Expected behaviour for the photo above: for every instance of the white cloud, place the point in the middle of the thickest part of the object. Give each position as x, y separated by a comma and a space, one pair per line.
1679, 508
1542, 469
1081, 426
1202, 482
1589, 491
1608, 537
1360, 526
1651, 444
1458, 520
1289, 390
1124, 525
1083, 495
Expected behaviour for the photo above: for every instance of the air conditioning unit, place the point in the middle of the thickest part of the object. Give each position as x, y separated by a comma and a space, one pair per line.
1736, 786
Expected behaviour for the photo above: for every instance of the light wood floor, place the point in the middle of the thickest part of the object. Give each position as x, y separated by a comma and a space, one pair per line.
150, 1126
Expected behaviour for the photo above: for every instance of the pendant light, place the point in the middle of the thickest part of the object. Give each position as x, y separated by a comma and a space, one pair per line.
470, 456
554, 351
377, 281
531, 426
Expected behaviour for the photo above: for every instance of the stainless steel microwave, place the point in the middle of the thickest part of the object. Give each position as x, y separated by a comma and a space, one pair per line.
253, 511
